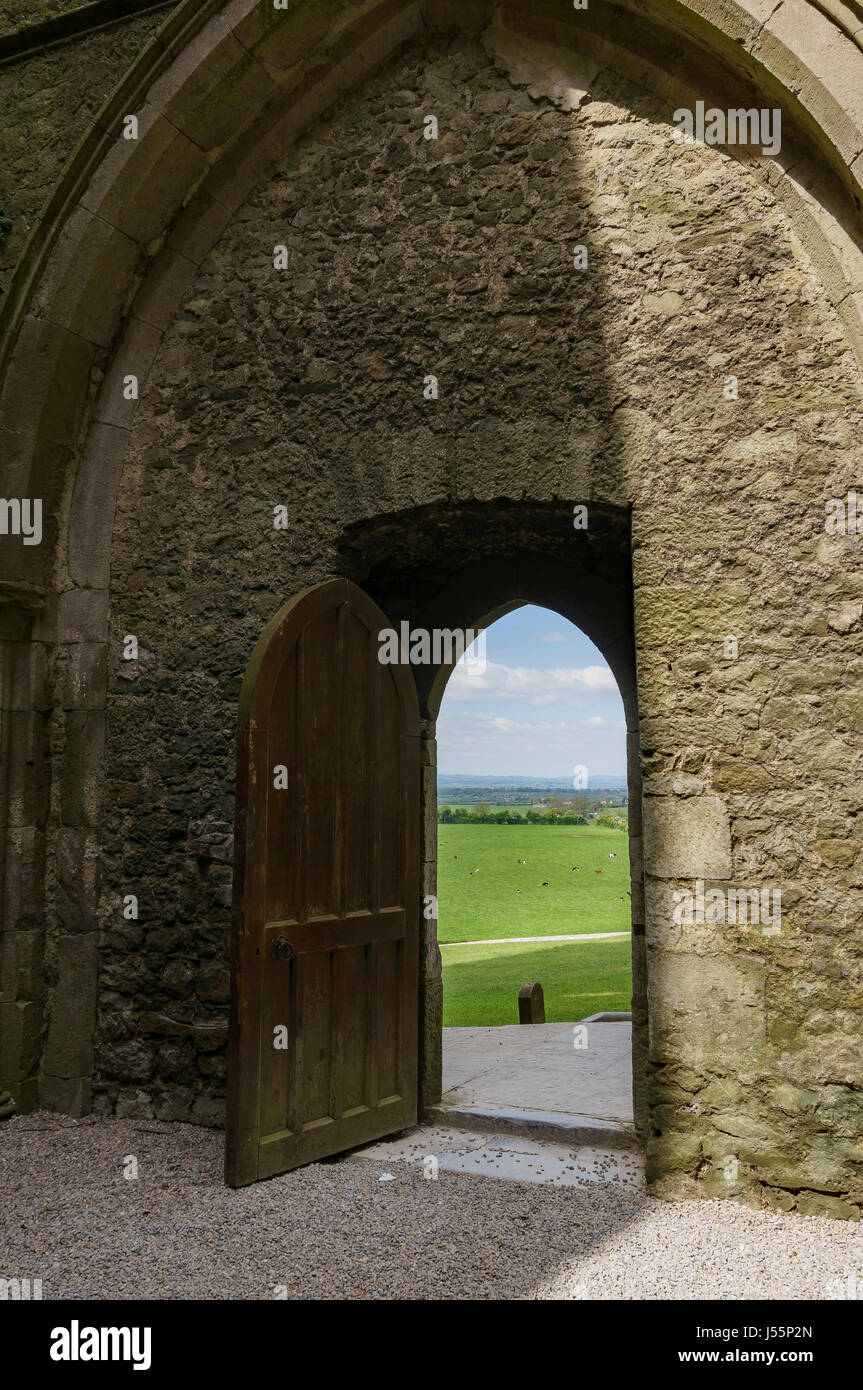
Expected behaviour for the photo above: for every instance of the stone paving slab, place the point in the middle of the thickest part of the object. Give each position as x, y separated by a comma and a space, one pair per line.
534, 1068
552, 1163
489, 1122
511, 1157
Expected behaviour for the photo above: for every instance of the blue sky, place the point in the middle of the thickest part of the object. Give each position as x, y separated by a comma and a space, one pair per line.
545, 702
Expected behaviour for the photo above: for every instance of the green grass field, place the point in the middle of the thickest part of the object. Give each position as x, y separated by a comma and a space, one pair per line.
481, 983
488, 905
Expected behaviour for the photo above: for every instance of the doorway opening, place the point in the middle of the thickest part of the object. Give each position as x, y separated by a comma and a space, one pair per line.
534, 896
336, 1025
465, 565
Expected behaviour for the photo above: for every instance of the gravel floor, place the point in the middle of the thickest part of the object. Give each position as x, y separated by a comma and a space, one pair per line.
334, 1230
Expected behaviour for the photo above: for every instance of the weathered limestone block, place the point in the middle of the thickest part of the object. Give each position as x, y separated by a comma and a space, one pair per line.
21, 964
80, 786
546, 70
20, 1038
709, 1010
22, 887
739, 775
729, 1181
817, 1204
78, 879
673, 1153
68, 1049
68, 1095
689, 838
737, 914
676, 616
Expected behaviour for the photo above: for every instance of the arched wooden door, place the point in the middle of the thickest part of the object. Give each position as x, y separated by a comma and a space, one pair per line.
324, 969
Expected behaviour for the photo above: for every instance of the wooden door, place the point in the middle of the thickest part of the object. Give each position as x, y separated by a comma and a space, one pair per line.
324, 969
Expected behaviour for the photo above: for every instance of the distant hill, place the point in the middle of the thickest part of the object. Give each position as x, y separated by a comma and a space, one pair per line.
598, 781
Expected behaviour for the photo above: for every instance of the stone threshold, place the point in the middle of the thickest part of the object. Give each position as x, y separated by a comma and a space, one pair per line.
571, 1130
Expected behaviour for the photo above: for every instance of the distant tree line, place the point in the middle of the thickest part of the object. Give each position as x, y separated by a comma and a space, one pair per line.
583, 803
463, 815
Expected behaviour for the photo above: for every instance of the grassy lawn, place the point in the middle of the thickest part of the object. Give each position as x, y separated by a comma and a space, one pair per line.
578, 978
487, 905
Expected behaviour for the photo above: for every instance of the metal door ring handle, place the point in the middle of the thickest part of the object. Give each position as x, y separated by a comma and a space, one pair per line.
283, 950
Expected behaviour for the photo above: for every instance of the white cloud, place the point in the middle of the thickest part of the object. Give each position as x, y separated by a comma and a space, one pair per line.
552, 637
555, 687
470, 741
469, 727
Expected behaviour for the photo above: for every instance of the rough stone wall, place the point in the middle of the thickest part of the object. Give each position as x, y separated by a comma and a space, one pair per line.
304, 387
18, 14
48, 102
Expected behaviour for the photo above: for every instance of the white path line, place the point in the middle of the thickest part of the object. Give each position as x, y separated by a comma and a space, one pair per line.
502, 940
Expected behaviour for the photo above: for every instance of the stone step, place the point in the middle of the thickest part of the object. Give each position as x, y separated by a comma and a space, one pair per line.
553, 1126
442, 1148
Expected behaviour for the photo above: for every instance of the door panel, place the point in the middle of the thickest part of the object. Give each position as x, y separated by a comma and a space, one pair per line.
326, 891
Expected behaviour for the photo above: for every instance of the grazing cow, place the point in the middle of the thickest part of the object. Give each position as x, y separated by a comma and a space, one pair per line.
612, 856
574, 869
545, 885
597, 871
